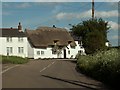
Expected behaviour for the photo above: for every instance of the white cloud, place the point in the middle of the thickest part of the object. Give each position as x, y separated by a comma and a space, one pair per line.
63, 15
113, 25
6, 13
115, 37
67, 28
86, 14
57, 8
18, 5
106, 14
23, 5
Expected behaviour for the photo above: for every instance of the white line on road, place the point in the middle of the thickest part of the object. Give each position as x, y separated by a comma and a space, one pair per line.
47, 66
6, 66
8, 69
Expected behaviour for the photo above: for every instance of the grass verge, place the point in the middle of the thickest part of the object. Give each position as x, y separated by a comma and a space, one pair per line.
13, 60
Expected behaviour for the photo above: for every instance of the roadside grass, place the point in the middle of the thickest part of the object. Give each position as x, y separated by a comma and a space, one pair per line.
13, 60
103, 66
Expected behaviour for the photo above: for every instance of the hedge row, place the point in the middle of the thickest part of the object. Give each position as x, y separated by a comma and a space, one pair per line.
103, 66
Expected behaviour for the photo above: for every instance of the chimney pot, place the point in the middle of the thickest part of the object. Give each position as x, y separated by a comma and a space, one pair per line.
54, 26
20, 27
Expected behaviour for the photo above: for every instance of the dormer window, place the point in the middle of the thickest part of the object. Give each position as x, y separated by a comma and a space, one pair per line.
69, 42
9, 39
55, 41
20, 39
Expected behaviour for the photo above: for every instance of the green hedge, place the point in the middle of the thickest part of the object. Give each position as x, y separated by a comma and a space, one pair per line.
14, 59
104, 66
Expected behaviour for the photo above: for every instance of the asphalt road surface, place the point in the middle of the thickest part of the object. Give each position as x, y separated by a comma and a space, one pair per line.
47, 74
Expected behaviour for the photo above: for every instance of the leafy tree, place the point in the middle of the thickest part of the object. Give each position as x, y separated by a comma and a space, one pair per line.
93, 33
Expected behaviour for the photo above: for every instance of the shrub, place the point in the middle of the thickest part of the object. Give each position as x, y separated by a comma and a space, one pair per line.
104, 66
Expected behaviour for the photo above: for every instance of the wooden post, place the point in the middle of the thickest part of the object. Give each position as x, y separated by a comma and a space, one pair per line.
92, 9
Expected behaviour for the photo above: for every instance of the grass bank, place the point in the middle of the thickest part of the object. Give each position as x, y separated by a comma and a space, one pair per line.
103, 66
13, 60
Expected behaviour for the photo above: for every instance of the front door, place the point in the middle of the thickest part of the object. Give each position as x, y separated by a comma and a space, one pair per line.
64, 53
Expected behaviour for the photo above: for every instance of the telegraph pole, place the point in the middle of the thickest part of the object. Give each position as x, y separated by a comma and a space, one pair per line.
92, 9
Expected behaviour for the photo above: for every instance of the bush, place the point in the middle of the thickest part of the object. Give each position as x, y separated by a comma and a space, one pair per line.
104, 66
14, 60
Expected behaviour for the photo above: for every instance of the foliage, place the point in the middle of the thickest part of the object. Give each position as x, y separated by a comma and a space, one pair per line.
104, 66
93, 33
14, 60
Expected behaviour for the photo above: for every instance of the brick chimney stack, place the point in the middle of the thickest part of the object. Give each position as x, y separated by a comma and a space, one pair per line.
20, 27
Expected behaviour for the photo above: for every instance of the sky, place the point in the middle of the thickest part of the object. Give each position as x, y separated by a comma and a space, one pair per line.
35, 14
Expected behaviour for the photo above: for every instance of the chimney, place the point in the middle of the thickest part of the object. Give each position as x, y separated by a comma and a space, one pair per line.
20, 27
54, 26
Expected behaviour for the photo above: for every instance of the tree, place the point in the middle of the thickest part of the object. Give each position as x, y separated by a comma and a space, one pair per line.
93, 33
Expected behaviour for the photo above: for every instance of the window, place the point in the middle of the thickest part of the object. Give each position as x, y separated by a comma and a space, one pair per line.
38, 52
9, 50
9, 39
42, 52
20, 50
69, 52
80, 51
20, 39
81, 46
54, 51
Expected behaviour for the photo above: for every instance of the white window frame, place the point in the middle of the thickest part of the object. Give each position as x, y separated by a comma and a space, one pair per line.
9, 50
20, 39
68, 51
42, 52
38, 52
20, 50
8, 39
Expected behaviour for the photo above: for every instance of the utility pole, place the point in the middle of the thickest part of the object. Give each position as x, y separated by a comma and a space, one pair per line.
92, 9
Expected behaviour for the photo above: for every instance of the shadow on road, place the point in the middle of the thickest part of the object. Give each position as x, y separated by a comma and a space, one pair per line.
79, 83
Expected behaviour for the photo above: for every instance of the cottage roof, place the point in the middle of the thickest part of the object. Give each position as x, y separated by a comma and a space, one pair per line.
11, 32
47, 36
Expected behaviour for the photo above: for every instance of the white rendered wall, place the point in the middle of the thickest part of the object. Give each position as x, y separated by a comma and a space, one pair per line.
107, 44
73, 51
0, 45
30, 51
47, 53
14, 44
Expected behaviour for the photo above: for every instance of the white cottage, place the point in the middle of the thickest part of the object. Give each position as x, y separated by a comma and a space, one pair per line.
44, 42
13, 42
51, 42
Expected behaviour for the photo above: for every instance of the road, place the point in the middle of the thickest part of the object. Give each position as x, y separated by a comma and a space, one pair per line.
47, 74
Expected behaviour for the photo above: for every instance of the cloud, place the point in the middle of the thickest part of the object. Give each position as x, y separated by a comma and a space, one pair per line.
106, 14
113, 25
115, 37
63, 15
16, 5
23, 5
57, 9
6, 13
87, 14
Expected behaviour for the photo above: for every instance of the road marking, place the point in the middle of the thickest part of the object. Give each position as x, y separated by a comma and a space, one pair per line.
47, 66
6, 66
8, 69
